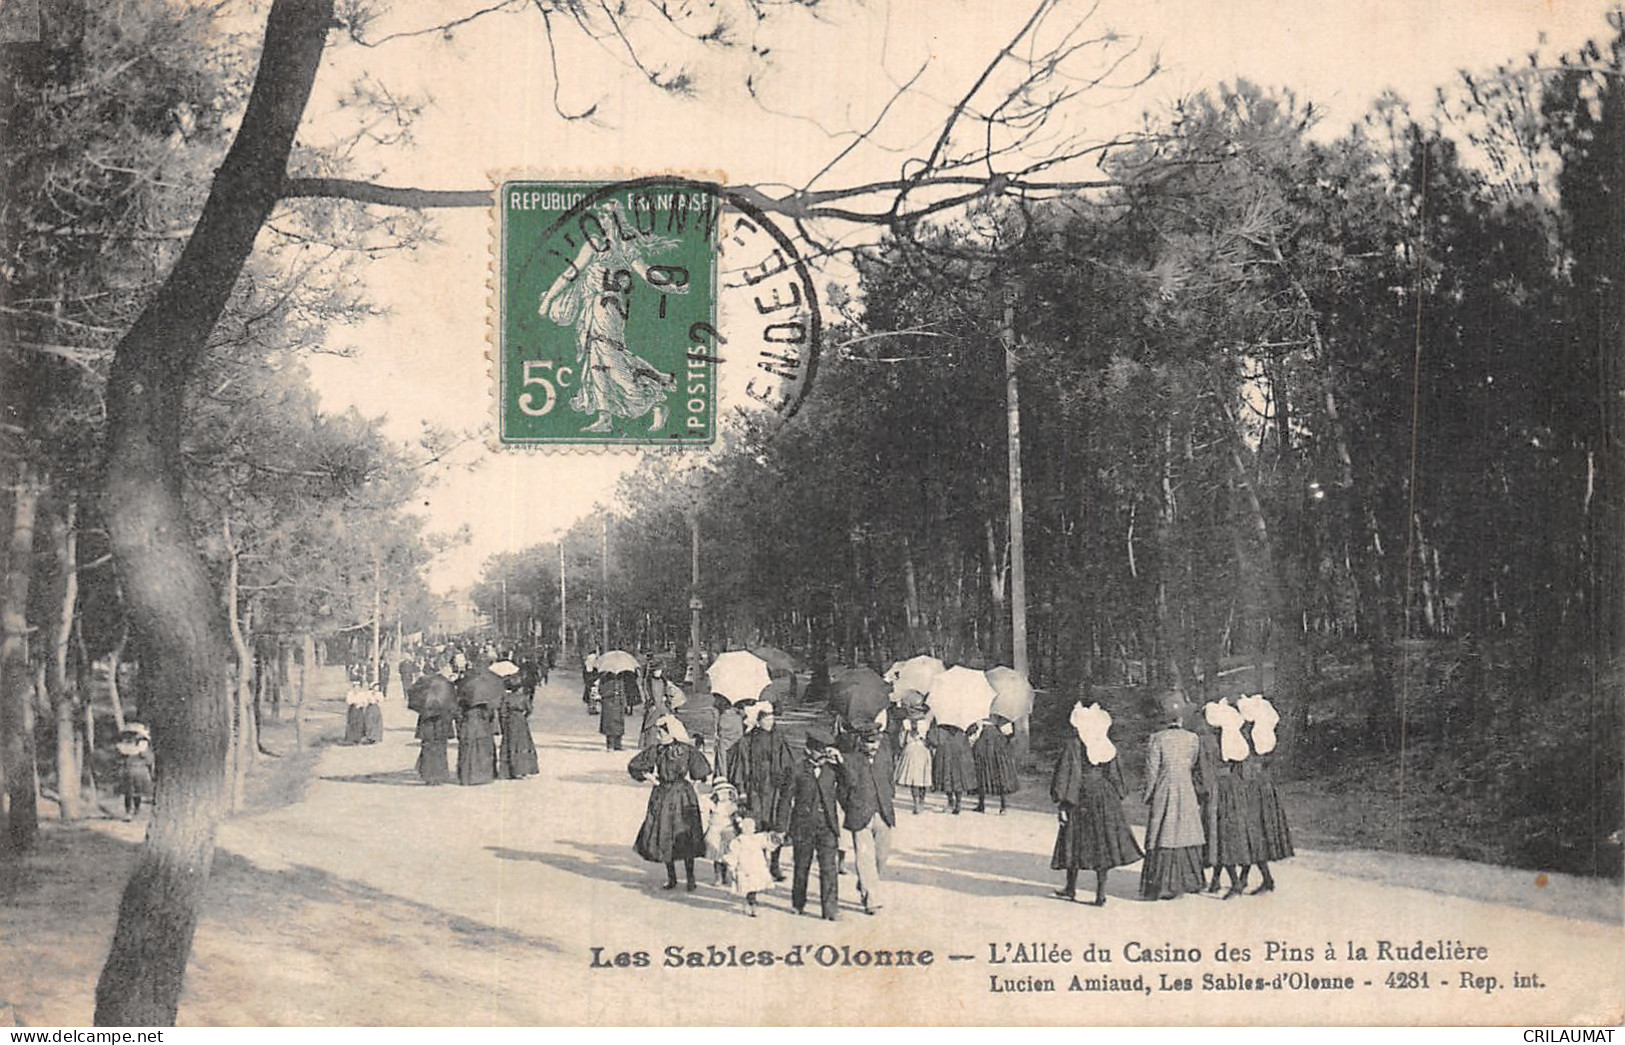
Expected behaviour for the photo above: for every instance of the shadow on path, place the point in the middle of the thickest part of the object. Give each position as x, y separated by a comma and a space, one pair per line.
621, 865
248, 898
394, 777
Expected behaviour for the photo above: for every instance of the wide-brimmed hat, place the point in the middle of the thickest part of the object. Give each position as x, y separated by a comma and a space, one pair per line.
136, 729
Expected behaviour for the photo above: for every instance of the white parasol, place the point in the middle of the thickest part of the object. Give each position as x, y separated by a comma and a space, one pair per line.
960, 697
616, 661
738, 675
1014, 699
916, 673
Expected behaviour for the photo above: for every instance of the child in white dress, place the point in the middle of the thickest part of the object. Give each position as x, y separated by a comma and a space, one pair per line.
747, 858
721, 808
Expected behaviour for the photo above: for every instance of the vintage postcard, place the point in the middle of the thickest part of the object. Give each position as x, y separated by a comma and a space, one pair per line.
690, 513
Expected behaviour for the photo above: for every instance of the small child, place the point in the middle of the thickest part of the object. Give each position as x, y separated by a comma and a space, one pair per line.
747, 857
721, 808
135, 766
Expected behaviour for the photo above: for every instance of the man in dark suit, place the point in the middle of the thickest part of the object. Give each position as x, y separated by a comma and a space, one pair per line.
865, 794
815, 825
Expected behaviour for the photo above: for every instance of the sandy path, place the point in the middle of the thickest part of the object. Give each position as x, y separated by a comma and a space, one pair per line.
375, 900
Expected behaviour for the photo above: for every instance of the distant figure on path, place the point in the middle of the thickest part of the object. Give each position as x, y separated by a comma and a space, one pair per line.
612, 707
434, 698
517, 758
730, 731
135, 766
479, 695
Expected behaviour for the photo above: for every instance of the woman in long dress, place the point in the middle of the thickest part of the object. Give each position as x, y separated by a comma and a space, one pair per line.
1174, 837
1088, 791
1238, 824
434, 698
953, 768
995, 762
655, 707
671, 828
612, 706
479, 694
1274, 833
517, 758
914, 764
593, 297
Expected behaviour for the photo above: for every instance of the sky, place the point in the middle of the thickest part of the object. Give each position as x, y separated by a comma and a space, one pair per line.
488, 95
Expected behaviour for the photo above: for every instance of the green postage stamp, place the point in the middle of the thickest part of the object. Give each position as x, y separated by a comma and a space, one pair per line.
607, 313
631, 313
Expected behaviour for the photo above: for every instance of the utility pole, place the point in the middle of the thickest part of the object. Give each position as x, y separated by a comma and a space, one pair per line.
605, 646
1018, 560
377, 614
694, 603
563, 634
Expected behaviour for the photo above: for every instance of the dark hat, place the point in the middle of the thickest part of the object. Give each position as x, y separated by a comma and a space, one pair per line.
867, 729
817, 740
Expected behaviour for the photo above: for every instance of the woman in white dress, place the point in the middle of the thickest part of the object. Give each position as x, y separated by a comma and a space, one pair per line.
914, 764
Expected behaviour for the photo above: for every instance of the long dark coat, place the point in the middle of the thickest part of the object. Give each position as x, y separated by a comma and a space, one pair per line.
1174, 819
760, 768
671, 824
612, 702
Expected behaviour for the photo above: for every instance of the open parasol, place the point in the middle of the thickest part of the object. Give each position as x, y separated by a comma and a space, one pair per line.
738, 675
616, 661
779, 663
916, 673
1013, 694
907, 698
856, 693
960, 697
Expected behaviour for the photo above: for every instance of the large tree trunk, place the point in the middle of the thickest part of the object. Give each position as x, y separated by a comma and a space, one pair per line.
171, 603
64, 698
16, 687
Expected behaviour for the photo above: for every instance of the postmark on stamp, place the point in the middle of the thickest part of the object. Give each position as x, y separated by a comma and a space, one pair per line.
621, 307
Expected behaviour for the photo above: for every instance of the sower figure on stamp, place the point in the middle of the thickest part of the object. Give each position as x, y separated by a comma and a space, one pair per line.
593, 296
815, 826
760, 769
866, 798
